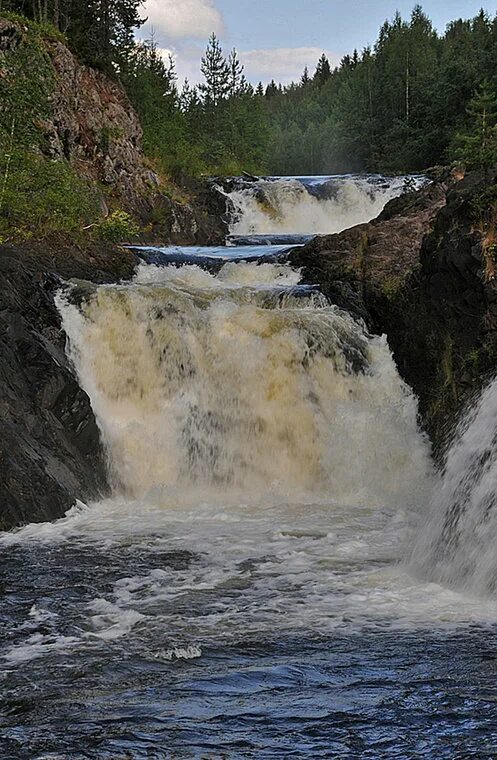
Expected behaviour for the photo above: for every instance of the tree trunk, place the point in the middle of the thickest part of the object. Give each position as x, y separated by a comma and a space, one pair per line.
408, 88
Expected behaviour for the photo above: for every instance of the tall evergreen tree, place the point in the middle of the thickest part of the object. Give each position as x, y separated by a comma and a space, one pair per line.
477, 147
217, 75
305, 78
237, 84
323, 71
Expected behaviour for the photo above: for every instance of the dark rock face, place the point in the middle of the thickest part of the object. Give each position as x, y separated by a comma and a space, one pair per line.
50, 450
200, 221
443, 327
420, 274
363, 267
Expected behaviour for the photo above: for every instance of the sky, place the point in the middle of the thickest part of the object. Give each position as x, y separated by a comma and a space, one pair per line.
277, 38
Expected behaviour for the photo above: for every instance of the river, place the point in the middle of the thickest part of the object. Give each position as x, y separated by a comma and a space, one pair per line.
278, 572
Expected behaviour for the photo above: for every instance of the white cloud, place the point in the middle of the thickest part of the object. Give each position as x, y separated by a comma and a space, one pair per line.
283, 64
177, 19
187, 60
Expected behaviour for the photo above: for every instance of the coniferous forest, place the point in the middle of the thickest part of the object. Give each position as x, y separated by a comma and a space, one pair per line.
412, 100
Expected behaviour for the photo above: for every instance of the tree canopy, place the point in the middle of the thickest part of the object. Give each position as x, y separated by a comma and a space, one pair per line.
413, 99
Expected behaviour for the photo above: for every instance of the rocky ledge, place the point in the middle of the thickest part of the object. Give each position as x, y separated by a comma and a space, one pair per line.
423, 273
50, 450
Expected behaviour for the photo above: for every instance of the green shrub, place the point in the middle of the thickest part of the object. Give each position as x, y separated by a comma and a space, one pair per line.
26, 85
41, 197
118, 227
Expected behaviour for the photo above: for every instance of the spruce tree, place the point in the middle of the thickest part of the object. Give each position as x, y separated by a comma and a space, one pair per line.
323, 71
237, 84
477, 147
272, 89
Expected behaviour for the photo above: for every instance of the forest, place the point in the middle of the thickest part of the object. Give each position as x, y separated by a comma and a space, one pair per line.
414, 99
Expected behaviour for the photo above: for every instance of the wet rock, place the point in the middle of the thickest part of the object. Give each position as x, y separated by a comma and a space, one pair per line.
50, 449
421, 273
443, 326
361, 267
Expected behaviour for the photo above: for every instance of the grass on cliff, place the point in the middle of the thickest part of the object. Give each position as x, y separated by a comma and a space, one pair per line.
38, 196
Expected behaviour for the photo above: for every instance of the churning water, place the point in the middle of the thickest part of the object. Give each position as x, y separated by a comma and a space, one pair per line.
251, 589
307, 206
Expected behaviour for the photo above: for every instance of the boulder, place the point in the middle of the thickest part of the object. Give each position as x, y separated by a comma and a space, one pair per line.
423, 273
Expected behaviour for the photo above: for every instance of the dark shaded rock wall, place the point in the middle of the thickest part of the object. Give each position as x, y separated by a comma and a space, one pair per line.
443, 325
50, 449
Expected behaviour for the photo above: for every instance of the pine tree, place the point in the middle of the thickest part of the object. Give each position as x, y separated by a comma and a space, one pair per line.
323, 71
305, 78
189, 97
237, 84
272, 89
217, 75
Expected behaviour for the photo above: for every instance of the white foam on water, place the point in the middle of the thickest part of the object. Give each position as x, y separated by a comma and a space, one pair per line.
235, 274
39, 645
270, 436
285, 206
223, 396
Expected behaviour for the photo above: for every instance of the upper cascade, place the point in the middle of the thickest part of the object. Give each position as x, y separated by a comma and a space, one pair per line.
306, 206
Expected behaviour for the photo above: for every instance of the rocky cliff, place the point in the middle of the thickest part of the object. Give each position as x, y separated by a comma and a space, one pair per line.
65, 114
50, 450
423, 273
84, 119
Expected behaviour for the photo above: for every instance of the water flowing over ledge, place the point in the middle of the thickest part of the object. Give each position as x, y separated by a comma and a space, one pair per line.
305, 206
269, 482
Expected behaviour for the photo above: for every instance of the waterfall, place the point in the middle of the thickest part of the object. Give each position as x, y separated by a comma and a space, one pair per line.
311, 205
457, 546
243, 382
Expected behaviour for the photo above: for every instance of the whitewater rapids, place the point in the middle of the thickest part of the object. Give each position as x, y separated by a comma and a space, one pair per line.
278, 569
310, 206
233, 384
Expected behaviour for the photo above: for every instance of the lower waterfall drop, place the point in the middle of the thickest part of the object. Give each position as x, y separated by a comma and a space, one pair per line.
243, 384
